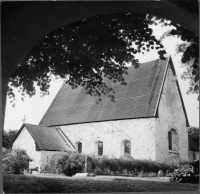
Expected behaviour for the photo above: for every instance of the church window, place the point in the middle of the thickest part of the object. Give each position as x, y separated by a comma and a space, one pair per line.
127, 147
100, 148
170, 140
79, 147
173, 141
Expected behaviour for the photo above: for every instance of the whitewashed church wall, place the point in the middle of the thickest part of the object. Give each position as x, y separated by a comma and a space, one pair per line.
26, 142
46, 157
171, 115
141, 133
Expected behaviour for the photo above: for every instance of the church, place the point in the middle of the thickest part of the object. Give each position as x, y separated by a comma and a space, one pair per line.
148, 120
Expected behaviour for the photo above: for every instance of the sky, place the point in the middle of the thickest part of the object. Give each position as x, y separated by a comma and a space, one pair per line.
35, 107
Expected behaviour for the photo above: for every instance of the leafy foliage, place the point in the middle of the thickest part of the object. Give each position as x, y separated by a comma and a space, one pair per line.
184, 174
8, 137
86, 51
105, 165
15, 161
70, 163
190, 57
194, 133
67, 163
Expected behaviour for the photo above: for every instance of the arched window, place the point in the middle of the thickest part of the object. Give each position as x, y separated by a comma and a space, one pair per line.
170, 140
79, 147
173, 140
100, 148
127, 147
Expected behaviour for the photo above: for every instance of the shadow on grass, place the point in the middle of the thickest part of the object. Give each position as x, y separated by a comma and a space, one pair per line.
33, 184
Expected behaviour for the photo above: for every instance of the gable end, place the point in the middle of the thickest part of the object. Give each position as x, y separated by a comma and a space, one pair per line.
171, 65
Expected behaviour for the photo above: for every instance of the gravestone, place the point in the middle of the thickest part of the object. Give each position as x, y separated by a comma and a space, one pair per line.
160, 173
81, 175
88, 164
87, 169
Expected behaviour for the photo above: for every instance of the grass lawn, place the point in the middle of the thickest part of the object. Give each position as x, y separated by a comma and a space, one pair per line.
33, 184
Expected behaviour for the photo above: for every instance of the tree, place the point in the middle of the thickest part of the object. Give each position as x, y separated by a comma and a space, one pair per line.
194, 133
8, 137
85, 51
190, 57
15, 161
89, 51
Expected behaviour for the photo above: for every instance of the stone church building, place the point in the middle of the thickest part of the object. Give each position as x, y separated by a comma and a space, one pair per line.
148, 119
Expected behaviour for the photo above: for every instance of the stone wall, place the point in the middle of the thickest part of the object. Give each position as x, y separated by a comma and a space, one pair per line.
26, 142
171, 116
141, 133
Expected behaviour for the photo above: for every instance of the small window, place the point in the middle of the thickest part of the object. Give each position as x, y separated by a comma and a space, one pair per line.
127, 147
100, 148
79, 147
170, 140
173, 140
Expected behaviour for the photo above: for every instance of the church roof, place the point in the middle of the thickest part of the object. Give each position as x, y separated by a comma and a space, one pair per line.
48, 138
138, 99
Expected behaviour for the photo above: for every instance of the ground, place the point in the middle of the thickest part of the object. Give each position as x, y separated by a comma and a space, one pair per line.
61, 184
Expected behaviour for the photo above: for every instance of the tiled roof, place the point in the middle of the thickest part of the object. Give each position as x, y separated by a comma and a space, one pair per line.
138, 99
49, 138
193, 144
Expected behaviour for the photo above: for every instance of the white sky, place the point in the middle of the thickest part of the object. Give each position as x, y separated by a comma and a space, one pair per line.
34, 108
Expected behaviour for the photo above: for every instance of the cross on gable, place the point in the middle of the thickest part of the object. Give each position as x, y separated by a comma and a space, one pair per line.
24, 119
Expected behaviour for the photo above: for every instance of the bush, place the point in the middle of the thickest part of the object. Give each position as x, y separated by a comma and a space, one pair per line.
68, 163
105, 165
184, 174
15, 161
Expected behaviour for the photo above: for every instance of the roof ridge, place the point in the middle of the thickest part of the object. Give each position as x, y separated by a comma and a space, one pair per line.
162, 84
147, 62
63, 134
35, 125
158, 67
52, 102
150, 61
63, 138
156, 60
33, 137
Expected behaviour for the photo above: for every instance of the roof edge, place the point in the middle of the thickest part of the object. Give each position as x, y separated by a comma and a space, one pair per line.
65, 137
161, 88
18, 133
180, 94
21, 128
149, 117
32, 136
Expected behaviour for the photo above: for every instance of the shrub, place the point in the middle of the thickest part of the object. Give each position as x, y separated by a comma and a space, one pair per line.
15, 161
105, 165
68, 163
184, 174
